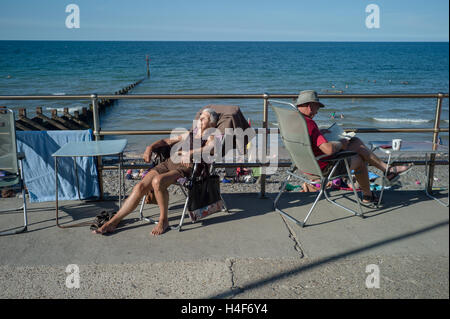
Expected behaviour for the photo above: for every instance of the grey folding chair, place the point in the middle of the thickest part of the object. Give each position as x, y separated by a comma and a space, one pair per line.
294, 133
181, 184
230, 117
184, 185
11, 173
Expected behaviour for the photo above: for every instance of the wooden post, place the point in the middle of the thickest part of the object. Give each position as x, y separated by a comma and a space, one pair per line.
31, 123
147, 58
40, 115
75, 118
64, 121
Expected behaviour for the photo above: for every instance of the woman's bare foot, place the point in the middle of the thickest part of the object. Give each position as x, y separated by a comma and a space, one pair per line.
108, 227
160, 228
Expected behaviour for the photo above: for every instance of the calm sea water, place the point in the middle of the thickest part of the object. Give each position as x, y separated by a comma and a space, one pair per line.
66, 67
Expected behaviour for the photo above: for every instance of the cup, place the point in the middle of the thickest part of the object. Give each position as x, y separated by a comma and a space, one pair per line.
396, 144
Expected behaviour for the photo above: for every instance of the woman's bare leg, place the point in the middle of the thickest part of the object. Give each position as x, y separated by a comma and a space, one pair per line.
130, 203
160, 184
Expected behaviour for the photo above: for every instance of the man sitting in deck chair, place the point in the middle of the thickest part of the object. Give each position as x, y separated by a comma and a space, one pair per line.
166, 173
308, 104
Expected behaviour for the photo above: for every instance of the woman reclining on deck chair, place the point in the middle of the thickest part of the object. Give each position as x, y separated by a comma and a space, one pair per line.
159, 178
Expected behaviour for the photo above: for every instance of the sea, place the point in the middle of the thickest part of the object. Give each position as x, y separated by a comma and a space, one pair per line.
103, 67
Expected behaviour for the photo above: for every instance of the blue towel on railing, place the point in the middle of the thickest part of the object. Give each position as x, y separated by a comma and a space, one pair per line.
39, 166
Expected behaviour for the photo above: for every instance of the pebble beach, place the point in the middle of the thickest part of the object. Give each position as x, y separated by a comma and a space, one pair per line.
414, 180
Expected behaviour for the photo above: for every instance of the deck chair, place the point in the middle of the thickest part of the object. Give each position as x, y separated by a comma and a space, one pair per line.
11, 173
294, 133
184, 184
230, 116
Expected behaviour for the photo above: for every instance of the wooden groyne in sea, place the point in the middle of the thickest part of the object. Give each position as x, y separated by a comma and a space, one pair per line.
66, 121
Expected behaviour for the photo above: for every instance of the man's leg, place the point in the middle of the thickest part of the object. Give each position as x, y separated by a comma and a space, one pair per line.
160, 184
130, 203
362, 174
356, 145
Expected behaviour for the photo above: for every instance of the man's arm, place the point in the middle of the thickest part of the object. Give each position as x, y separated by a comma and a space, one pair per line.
332, 147
160, 143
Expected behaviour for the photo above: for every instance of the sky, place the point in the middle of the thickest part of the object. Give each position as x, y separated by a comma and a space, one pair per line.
230, 20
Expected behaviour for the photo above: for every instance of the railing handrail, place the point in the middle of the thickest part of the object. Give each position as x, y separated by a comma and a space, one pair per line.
356, 130
220, 96
265, 96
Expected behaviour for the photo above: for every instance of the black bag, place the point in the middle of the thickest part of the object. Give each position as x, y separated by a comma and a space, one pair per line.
160, 154
204, 191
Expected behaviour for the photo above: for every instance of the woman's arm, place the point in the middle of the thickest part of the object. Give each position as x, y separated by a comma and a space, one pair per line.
188, 156
161, 143
209, 144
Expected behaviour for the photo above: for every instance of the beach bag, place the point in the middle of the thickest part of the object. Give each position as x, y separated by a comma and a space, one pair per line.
205, 211
204, 197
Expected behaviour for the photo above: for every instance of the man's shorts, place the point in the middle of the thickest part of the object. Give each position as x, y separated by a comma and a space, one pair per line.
168, 165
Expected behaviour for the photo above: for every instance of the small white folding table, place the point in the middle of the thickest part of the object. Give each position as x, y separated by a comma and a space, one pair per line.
89, 149
410, 148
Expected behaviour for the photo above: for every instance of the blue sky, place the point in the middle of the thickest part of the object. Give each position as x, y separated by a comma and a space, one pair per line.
231, 20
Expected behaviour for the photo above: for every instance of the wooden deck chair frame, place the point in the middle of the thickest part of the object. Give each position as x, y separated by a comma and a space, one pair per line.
294, 133
11, 164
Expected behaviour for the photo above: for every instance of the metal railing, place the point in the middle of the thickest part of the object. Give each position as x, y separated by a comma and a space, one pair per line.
98, 132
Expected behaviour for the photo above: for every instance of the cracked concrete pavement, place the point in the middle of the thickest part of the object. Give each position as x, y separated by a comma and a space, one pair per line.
251, 253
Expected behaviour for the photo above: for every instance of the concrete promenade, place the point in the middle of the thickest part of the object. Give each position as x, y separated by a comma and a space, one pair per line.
253, 252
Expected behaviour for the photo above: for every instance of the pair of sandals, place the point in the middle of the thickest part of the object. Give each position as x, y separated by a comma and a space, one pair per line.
370, 200
101, 219
392, 176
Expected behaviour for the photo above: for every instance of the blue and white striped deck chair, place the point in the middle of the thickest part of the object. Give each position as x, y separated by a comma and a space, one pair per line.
294, 133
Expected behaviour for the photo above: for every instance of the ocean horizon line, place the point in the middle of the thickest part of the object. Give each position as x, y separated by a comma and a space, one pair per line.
236, 68
224, 41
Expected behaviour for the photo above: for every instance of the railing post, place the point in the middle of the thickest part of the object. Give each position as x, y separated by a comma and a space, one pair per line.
147, 59
97, 137
262, 179
96, 118
437, 120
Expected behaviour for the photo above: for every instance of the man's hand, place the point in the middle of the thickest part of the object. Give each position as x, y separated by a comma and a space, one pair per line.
148, 154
